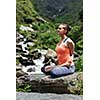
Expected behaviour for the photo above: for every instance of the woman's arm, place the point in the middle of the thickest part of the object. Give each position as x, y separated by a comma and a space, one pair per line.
71, 47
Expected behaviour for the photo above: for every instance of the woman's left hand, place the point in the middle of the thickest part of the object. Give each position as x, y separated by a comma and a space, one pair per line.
48, 68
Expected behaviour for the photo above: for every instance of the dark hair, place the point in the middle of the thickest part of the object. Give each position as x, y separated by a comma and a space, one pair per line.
67, 27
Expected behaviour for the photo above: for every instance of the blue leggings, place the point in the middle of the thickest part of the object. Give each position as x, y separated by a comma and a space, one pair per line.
59, 71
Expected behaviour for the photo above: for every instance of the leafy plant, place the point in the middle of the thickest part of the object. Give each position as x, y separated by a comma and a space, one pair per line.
25, 88
25, 12
79, 64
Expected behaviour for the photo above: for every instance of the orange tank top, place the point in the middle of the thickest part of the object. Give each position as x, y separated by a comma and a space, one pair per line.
63, 54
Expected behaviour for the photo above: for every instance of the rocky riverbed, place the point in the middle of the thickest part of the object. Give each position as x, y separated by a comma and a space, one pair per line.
47, 96
28, 70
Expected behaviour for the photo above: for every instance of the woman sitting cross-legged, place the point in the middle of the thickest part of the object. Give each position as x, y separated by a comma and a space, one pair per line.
64, 50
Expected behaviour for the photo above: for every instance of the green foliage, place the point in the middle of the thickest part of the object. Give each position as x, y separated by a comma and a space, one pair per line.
17, 61
79, 64
76, 35
59, 11
48, 39
25, 88
25, 13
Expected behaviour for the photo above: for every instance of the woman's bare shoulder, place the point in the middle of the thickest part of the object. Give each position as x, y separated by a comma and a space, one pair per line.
70, 41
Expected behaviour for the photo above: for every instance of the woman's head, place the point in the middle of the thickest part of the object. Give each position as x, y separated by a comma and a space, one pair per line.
63, 29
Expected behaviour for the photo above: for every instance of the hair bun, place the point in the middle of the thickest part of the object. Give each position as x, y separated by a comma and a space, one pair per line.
69, 28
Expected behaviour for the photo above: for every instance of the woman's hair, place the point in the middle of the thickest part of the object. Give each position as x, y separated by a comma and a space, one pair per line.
67, 27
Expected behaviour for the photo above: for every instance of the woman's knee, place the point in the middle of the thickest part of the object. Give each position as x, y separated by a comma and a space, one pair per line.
54, 74
73, 69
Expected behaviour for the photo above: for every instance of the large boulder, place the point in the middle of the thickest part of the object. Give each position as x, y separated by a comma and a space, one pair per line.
71, 84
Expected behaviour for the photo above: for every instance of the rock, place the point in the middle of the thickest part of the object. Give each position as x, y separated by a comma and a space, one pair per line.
24, 28
36, 57
51, 53
32, 69
20, 73
47, 96
70, 84
18, 68
26, 61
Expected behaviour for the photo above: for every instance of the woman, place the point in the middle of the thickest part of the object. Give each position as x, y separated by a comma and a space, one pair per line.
64, 50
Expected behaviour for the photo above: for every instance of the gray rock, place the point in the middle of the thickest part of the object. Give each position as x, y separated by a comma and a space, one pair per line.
51, 53
20, 73
18, 68
24, 28
47, 96
70, 84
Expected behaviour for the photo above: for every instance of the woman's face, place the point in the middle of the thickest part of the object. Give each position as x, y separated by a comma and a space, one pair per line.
61, 30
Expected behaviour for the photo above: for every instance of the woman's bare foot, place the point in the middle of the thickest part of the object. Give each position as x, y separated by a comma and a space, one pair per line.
48, 68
